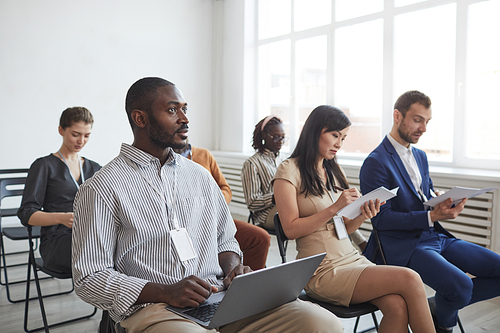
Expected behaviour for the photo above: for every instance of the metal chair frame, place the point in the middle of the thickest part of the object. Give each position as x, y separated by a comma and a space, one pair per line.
37, 265
13, 233
353, 311
380, 250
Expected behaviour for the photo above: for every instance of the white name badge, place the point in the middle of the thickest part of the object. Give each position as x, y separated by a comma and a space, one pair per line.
183, 244
340, 227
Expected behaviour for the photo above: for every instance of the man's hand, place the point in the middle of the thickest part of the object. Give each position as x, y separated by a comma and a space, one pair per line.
446, 211
238, 270
191, 291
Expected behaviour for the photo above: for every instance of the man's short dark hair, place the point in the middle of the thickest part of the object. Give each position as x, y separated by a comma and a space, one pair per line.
142, 94
406, 100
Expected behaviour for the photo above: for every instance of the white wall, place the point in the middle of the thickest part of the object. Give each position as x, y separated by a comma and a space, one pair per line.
235, 105
57, 53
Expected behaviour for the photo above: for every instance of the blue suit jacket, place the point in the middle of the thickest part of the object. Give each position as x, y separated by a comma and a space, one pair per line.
402, 219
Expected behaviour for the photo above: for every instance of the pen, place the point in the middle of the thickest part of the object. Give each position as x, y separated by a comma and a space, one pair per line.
338, 188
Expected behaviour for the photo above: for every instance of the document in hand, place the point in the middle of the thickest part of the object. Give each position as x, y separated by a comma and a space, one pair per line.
457, 194
353, 209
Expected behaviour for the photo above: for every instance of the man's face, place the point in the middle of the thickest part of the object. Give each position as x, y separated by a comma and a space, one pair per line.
414, 124
168, 121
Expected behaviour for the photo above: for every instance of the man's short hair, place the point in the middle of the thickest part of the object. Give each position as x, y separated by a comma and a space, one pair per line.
142, 94
406, 100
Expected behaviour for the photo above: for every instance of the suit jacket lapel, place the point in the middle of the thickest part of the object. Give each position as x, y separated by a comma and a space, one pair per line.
397, 160
419, 159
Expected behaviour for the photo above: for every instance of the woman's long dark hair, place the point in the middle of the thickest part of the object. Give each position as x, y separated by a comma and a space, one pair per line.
307, 150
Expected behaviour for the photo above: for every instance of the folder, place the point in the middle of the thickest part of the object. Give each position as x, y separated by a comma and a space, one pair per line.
457, 194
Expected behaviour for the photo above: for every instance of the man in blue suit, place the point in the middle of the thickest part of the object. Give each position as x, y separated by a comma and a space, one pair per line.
410, 234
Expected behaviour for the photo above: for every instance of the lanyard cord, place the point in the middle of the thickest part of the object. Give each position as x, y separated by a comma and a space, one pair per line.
330, 192
155, 188
82, 176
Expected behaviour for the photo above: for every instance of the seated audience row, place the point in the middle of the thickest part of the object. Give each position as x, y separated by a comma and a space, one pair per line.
120, 243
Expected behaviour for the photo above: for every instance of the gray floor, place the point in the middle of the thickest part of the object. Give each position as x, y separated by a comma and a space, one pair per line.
481, 317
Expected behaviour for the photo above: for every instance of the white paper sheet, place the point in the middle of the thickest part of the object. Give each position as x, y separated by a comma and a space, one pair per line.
457, 194
353, 209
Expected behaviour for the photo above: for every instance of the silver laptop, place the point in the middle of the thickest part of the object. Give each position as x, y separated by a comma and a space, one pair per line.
253, 293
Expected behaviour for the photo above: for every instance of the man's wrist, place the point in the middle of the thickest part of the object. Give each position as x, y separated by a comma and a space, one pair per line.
429, 219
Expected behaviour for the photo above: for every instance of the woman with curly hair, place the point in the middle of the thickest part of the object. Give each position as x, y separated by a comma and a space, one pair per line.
259, 169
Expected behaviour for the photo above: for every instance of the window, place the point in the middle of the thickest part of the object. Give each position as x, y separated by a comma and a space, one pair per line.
424, 59
360, 55
482, 115
358, 83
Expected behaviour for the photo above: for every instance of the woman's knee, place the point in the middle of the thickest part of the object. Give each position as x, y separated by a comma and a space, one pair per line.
412, 279
393, 305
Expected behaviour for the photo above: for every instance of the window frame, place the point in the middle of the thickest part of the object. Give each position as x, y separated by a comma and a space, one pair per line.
459, 160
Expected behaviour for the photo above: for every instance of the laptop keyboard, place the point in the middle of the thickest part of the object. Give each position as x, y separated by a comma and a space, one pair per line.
203, 312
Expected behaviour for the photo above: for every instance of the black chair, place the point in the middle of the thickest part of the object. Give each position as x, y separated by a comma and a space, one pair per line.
12, 187
37, 265
352, 311
107, 325
250, 220
380, 251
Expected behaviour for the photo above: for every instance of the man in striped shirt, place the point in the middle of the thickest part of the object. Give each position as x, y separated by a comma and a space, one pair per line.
152, 228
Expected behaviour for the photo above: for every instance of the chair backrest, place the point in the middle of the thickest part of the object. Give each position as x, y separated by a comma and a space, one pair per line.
10, 187
17, 182
280, 237
4, 173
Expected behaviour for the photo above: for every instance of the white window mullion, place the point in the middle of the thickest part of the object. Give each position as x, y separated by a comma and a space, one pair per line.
388, 71
294, 128
460, 85
330, 66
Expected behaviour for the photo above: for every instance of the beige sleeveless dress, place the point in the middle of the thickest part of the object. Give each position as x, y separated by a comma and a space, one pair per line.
336, 276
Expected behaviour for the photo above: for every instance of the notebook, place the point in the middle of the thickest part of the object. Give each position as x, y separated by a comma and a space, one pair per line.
253, 293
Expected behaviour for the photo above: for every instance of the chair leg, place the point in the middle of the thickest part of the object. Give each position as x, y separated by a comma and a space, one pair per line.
375, 322
356, 325
6, 278
31, 264
375, 327
46, 326
460, 325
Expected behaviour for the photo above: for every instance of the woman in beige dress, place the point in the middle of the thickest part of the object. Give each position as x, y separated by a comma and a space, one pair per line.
307, 190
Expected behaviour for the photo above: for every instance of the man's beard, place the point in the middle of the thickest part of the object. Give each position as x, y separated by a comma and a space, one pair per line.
162, 138
405, 136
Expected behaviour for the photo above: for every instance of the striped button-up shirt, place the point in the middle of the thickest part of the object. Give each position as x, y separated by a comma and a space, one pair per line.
123, 216
256, 176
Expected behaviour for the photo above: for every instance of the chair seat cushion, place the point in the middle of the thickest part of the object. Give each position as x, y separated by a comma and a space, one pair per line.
354, 310
20, 233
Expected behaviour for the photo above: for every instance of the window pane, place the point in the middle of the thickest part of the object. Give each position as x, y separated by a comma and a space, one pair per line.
311, 13
310, 70
358, 83
401, 3
275, 17
424, 59
274, 80
346, 9
483, 81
